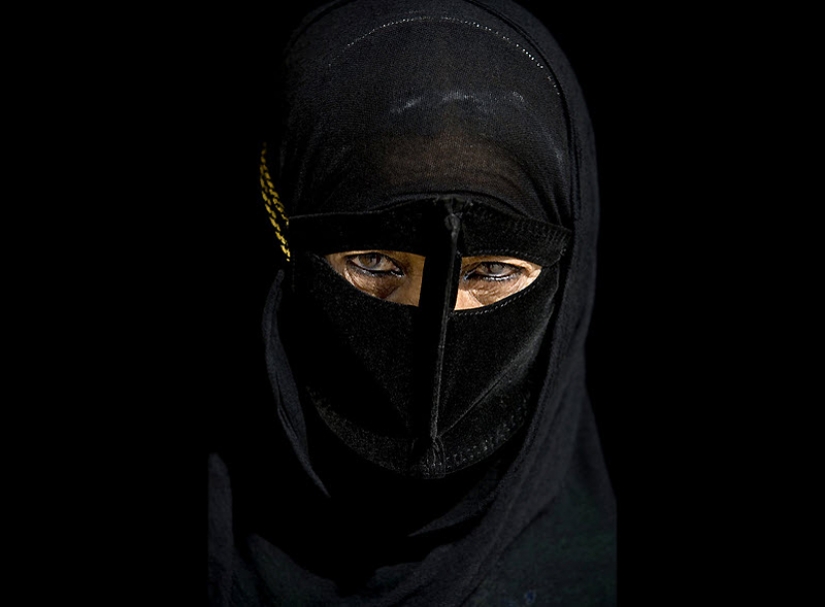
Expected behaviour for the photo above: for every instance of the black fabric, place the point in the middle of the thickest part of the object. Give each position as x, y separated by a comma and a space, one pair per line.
393, 103
379, 366
420, 390
486, 230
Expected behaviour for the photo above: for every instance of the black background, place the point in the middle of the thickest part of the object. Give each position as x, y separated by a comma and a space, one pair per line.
156, 330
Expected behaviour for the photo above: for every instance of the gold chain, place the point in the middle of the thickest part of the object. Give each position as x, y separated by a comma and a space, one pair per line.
274, 207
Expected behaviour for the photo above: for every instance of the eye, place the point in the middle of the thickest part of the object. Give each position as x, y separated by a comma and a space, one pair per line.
390, 275
490, 278
493, 270
374, 263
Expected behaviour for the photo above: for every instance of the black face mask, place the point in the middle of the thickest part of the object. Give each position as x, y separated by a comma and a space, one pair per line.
429, 390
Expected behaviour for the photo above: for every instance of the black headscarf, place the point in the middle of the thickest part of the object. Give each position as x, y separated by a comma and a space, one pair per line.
403, 117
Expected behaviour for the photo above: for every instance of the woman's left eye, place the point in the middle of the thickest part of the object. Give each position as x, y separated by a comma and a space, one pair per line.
493, 270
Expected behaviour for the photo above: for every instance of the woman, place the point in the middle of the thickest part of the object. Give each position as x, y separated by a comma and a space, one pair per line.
431, 440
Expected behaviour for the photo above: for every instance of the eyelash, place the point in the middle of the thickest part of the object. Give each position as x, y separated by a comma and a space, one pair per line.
513, 271
396, 271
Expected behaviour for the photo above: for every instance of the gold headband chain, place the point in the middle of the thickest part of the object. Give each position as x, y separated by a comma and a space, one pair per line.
274, 207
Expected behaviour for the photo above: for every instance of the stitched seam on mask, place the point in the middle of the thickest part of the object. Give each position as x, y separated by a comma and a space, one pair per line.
539, 233
479, 401
523, 225
535, 232
502, 432
444, 19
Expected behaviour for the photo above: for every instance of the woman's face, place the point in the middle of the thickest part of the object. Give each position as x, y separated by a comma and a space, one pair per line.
396, 276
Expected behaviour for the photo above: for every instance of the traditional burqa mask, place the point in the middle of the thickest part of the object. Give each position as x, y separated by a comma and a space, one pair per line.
438, 137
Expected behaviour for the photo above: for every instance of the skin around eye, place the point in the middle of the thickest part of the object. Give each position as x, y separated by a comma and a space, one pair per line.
374, 263
492, 270
390, 275
396, 276
488, 279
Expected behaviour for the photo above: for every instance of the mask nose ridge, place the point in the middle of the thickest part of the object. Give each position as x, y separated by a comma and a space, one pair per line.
439, 291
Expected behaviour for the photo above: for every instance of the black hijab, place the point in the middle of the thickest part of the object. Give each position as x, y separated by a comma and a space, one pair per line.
409, 113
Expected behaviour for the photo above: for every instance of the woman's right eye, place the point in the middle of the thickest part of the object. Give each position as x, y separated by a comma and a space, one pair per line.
375, 263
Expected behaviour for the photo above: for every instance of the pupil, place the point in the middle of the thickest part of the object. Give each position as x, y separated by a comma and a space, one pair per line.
371, 260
